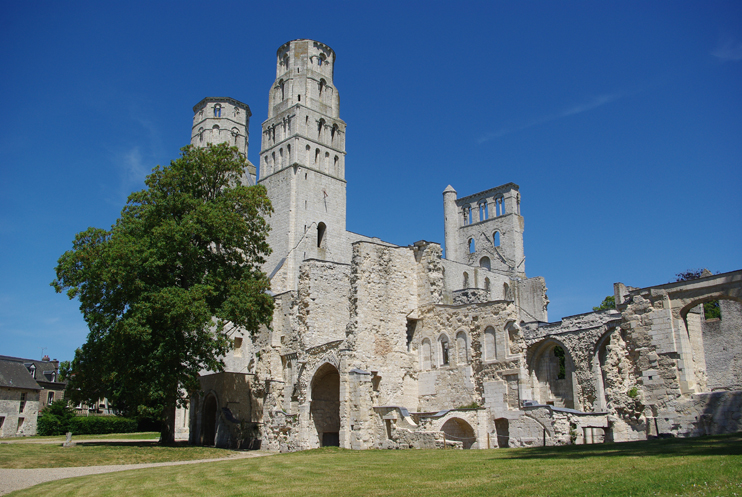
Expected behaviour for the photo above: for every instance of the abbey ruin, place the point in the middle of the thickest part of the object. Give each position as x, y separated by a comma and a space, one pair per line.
375, 345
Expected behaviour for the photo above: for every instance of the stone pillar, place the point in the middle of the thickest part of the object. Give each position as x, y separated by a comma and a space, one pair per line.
451, 224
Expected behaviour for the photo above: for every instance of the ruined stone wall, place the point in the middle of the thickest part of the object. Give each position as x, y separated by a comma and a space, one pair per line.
323, 300
722, 342
17, 423
383, 295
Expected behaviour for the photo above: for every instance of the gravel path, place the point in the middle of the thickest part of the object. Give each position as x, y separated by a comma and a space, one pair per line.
17, 479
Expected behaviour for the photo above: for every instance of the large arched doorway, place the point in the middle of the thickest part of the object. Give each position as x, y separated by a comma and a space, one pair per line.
325, 409
458, 430
551, 372
208, 420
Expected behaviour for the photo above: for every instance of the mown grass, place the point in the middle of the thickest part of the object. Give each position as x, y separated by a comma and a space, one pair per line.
145, 435
694, 467
28, 455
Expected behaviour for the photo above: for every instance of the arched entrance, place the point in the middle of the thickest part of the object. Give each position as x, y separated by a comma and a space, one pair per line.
208, 420
502, 428
458, 430
325, 408
551, 372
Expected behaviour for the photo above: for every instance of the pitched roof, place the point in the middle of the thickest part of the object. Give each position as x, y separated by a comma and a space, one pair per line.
15, 375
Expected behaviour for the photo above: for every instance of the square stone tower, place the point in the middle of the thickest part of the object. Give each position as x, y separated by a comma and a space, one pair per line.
302, 162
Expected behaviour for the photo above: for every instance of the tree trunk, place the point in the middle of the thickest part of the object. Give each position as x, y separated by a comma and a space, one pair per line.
167, 432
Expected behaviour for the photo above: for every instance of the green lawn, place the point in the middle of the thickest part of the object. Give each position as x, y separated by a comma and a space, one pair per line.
700, 466
146, 435
29, 455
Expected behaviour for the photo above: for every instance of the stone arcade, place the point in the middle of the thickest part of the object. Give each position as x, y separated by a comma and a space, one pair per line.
374, 345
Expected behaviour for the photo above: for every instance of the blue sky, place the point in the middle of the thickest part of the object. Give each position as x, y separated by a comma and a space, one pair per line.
620, 121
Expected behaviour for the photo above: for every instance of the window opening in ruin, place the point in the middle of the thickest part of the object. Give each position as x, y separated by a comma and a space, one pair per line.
462, 349
485, 263
496, 238
487, 285
299, 98
20, 424
322, 84
483, 211
320, 234
490, 350
469, 215
50, 398
506, 292
411, 324
426, 350
23, 402
217, 110
444, 350
466, 280
281, 86
201, 135
316, 156
288, 153
325, 405
335, 165
237, 347
235, 134
472, 247
559, 354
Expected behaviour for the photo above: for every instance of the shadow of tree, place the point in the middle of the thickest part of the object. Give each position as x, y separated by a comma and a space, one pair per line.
713, 445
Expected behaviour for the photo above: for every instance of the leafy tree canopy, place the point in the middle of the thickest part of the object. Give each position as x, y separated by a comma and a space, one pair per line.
163, 290
608, 303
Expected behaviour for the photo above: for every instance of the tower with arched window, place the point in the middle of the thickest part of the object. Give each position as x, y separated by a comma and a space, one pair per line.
223, 120
302, 162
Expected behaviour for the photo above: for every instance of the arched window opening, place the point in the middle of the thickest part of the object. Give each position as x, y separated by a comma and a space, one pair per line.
321, 60
466, 280
487, 285
273, 160
472, 246
201, 135
425, 351
333, 133
321, 234
235, 134
483, 211
559, 354
320, 125
502, 207
485, 263
217, 110
327, 162
469, 214
325, 405
215, 134
490, 351
282, 87
316, 156
288, 153
506, 292
335, 165
322, 84
281, 162
462, 349
496, 238
459, 430
443, 346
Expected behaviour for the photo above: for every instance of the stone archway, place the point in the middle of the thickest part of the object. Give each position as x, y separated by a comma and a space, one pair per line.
325, 407
458, 430
552, 372
208, 420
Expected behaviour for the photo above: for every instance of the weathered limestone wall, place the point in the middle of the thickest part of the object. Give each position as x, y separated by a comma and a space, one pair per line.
323, 313
722, 343
383, 294
17, 423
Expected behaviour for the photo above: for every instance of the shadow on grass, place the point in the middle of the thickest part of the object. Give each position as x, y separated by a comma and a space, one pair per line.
700, 446
132, 443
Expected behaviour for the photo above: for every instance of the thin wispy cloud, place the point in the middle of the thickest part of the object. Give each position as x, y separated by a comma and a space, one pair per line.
728, 50
587, 105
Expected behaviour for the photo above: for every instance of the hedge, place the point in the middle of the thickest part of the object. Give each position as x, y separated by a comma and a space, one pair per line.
96, 425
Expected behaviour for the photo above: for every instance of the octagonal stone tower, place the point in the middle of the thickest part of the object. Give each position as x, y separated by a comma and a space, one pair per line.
223, 120
302, 162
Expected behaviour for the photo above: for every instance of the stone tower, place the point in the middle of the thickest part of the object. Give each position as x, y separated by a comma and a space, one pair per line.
486, 229
302, 162
223, 120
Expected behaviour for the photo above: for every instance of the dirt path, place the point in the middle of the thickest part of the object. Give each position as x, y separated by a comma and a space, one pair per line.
17, 479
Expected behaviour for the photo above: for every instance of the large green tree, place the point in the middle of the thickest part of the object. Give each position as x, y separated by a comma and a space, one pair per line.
163, 290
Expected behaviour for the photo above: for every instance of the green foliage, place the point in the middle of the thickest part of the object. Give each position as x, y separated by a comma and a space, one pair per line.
473, 405
96, 425
55, 418
559, 354
608, 303
162, 290
712, 310
633, 392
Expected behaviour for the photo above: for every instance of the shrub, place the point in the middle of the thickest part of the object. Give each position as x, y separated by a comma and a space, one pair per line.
633, 393
55, 418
